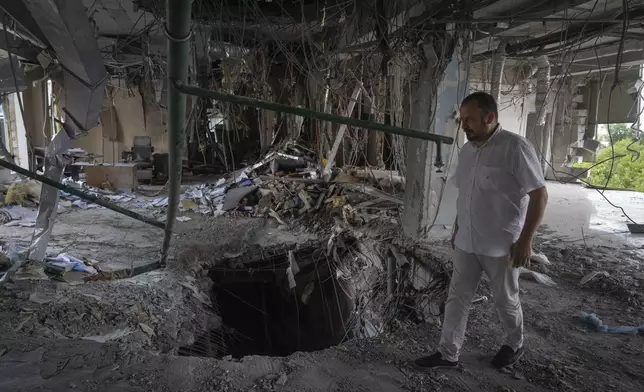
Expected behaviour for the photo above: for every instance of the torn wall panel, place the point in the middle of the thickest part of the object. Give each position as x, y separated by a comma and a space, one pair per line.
132, 117
35, 103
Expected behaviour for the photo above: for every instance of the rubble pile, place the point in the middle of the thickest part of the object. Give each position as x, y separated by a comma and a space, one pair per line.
133, 312
287, 184
619, 274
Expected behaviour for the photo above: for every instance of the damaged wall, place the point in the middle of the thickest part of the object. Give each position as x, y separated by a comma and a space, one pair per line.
124, 116
14, 130
37, 121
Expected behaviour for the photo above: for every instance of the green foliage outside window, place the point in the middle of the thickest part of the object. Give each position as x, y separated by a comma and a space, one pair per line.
627, 173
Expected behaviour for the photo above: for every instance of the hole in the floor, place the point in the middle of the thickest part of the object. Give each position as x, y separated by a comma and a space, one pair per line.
261, 315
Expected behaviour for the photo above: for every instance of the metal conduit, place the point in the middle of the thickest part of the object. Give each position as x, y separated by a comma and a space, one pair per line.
178, 18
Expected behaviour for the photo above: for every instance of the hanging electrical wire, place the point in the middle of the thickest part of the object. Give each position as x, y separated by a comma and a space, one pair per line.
612, 159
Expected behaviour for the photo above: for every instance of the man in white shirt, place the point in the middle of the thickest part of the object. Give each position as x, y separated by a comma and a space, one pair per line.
501, 199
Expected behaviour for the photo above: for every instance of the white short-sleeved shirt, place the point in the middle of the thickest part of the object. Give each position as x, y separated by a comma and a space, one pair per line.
493, 184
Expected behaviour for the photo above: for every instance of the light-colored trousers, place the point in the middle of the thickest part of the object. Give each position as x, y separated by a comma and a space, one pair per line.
504, 284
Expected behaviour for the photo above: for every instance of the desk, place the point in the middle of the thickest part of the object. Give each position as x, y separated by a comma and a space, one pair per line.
121, 175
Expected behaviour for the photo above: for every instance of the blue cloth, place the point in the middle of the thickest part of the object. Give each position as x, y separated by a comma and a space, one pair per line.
595, 323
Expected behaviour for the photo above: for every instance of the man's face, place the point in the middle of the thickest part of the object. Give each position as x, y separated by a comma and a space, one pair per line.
475, 123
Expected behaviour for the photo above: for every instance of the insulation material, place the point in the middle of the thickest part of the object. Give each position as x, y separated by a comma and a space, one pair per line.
543, 84
497, 71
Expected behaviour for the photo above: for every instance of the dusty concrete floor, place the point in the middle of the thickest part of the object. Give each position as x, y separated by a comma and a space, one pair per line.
116, 241
575, 212
562, 354
53, 332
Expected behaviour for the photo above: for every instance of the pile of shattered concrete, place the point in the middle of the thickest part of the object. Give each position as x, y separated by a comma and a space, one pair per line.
291, 183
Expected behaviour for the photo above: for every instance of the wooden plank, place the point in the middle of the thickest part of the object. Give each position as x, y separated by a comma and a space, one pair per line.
340, 135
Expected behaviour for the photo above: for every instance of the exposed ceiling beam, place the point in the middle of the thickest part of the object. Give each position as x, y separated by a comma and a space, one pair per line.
19, 12
604, 64
579, 31
20, 48
521, 15
282, 11
628, 35
604, 51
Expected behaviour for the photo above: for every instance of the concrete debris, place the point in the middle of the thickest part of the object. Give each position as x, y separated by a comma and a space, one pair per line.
283, 378
537, 276
147, 329
286, 185
270, 382
482, 298
588, 277
20, 216
113, 335
292, 270
539, 258
40, 298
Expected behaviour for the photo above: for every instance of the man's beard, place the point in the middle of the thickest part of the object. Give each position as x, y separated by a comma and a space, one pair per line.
470, 136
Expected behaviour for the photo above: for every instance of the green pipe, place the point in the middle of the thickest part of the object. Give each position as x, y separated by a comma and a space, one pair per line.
81, 194
178, 18
276, 107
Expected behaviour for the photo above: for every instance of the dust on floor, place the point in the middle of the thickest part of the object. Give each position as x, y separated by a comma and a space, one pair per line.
561, 353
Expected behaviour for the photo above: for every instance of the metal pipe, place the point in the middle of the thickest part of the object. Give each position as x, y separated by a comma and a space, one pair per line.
178, 18
298, 111
81, 194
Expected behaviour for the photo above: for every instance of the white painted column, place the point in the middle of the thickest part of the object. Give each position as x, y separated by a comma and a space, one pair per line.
22, 151
15, 132
452, 91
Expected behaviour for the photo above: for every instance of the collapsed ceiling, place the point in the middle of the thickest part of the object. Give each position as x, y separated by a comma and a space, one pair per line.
577, 35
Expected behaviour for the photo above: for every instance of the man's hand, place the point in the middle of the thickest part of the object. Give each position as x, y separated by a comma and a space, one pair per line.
522, 249
520, 253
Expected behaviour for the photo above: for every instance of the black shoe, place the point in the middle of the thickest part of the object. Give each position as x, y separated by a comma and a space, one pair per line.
507, 357
434, 361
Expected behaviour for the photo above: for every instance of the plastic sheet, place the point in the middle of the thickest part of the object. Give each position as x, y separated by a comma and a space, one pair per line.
591, 320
